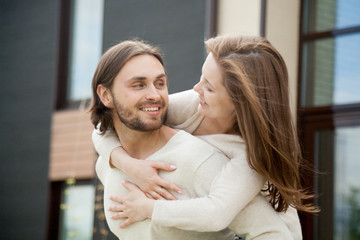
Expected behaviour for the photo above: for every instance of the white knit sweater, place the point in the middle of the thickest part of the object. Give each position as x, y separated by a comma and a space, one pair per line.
230, 200
196, 169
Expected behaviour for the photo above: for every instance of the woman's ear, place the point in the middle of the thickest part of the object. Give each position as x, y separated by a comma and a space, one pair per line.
105, 96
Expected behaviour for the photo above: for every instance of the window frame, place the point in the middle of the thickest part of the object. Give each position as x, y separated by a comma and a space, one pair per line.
63, 54
313, 118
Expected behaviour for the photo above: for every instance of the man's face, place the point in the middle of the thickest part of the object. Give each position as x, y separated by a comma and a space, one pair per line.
140, 94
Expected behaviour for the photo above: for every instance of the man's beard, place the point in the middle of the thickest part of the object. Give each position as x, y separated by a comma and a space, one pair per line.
130, 120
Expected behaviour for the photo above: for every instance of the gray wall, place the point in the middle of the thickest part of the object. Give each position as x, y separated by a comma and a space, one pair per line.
177, 27
27, 73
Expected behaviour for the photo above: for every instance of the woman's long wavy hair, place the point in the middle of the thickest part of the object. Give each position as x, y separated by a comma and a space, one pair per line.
256, 79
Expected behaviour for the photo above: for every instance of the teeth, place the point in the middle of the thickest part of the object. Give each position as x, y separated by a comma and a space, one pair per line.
150, 109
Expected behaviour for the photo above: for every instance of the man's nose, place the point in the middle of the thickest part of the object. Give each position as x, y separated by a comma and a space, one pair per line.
152, 93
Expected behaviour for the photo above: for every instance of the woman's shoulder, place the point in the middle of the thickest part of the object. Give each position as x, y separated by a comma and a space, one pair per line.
231, 145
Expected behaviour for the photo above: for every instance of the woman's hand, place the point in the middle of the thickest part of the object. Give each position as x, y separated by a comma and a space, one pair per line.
145, 175
135, 206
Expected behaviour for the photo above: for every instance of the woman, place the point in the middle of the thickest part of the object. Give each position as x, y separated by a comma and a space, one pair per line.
243, 98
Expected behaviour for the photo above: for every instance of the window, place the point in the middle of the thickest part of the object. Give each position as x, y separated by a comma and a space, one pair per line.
327, 15
86, 47
330, 53
329, 110
340, 147
77, 212
81, 27
330, 77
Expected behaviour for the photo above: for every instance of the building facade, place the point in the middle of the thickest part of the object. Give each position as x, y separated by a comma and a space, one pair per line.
49, 51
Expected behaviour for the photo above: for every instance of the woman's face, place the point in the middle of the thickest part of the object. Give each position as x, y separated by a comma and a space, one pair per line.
214, 99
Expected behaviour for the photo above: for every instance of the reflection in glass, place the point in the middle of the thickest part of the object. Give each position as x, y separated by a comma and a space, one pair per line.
331, 72
347, 183
86, 46
347, 69
337, 158
77, 214
326, 15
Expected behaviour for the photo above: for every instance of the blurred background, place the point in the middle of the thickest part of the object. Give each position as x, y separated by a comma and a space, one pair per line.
48, 54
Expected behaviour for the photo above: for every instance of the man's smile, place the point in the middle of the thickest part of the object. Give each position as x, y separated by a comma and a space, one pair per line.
150, 109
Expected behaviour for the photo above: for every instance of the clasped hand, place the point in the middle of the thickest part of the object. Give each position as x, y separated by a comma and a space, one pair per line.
144, 173
149, 186
135, 206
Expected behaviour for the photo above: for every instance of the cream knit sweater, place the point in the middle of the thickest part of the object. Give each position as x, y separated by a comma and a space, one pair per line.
229, 202
196, 169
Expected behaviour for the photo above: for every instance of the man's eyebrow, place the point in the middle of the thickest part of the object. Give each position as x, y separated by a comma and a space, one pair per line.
162, 75
137, 78
142, 78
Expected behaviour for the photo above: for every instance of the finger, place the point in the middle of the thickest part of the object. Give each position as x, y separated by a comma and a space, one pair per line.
119, 215
126, 223
167, 195
117, 198
117, 208
130, 186
148, 195
156, 196
169, 185
163, 166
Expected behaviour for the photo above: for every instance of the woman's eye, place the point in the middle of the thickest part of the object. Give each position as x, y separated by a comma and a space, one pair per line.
209, 89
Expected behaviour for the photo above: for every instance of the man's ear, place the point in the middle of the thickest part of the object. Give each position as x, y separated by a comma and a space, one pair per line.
105, 96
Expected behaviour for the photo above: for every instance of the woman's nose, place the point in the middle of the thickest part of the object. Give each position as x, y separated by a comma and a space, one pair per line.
197, 87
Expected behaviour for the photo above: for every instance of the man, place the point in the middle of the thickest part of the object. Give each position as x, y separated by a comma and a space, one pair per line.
130, 96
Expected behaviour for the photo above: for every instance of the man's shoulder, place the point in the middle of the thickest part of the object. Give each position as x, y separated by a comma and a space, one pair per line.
190, 141
197, 154
194, 147
188, 151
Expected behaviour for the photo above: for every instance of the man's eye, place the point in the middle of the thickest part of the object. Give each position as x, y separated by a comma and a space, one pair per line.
159, 84
138, 85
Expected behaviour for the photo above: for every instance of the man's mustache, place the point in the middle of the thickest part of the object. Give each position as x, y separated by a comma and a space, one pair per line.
160, 102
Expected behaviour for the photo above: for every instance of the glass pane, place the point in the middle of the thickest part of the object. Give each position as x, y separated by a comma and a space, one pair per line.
86, 46
326, 15
347, 183
77, 213
331, 75
338, 189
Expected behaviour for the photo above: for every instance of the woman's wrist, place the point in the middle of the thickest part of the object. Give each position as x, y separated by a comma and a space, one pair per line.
149, 208
119, 159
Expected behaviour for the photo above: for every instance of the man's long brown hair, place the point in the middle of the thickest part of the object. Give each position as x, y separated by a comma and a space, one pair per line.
255, 77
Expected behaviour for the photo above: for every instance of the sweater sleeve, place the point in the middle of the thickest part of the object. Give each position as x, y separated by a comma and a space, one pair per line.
104, 144
258, 220
101, 168
233, 188
182, 106
292, 221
